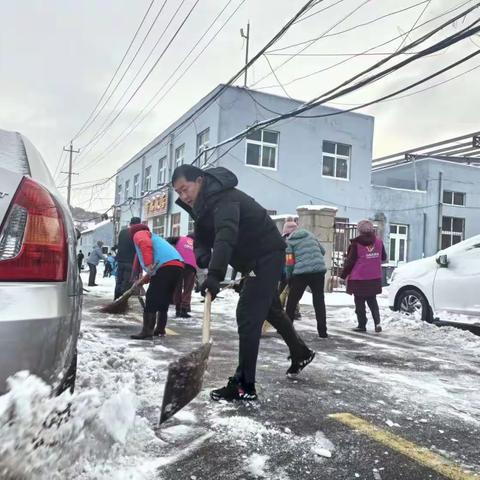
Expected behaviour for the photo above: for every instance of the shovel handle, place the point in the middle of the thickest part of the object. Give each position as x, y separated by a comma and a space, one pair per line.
207, 309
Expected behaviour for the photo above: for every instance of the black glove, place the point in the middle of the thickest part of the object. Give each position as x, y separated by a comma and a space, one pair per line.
212, 285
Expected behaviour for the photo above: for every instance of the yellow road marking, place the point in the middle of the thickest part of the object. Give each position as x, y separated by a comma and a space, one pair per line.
420, 454
169, 331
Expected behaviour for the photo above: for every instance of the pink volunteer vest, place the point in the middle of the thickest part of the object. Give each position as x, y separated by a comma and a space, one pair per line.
369, 262
185, 248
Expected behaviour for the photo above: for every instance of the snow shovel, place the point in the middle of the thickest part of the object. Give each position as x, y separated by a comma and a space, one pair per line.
120, 305
185, 375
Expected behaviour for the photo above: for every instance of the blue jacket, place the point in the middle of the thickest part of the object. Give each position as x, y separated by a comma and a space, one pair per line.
162, 253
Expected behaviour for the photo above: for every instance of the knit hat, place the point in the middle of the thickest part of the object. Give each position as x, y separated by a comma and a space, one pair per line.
289, 227
133, 229
365, 226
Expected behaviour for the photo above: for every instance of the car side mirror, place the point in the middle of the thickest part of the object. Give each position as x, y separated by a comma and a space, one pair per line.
442, 260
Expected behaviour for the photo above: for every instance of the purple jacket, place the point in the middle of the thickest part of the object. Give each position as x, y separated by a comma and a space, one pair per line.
184, 246
369, 262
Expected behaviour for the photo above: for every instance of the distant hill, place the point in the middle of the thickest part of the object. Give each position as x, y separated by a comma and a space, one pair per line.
85, 219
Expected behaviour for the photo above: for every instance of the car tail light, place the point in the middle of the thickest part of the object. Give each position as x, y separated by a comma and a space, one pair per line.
33, 245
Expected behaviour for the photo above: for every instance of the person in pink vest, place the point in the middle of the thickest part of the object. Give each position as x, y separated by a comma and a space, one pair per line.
183, 293
363, 273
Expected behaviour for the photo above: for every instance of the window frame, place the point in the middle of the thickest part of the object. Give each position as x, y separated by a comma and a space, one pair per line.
126, 190
397, 237
147, 179
202, 145
182, 158
261, 143
174, 226
453, 193
157, 229
191, 224
452, 233
136, 185
162, 171
336, 157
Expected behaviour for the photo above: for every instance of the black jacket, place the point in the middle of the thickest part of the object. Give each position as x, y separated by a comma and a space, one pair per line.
230, 227
126, 247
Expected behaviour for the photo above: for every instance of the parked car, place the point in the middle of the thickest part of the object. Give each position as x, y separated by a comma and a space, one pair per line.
40, 288
448, 281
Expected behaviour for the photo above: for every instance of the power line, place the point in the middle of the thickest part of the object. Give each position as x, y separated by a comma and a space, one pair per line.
224, 86
87, 122
100, 133
315, 40
303, 77
318, 11
118, 140
465, 33
414, 25
348, 29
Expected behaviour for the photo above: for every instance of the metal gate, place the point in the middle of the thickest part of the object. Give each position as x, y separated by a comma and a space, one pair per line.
342, 234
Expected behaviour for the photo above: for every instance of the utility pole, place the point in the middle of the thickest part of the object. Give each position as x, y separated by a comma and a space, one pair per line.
247, 38
70, 173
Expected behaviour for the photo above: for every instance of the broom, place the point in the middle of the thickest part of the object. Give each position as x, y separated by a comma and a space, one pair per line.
120, 305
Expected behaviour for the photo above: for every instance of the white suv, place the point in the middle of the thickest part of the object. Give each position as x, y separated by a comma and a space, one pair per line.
448, 281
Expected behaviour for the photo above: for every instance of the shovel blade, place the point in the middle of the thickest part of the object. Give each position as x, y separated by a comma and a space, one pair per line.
184, 381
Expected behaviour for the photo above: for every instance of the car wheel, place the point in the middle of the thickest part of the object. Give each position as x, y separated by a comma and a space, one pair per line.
69, 380
413, 303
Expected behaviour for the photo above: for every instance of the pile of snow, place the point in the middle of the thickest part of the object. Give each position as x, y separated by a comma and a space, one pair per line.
43, 436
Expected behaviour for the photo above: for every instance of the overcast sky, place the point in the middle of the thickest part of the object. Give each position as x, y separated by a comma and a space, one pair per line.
57, 57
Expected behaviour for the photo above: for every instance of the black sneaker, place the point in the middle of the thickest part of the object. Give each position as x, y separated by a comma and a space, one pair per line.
359, 329
378, 328
297, 366
234, 391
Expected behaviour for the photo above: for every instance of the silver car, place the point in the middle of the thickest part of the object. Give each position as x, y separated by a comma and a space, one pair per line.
40, 288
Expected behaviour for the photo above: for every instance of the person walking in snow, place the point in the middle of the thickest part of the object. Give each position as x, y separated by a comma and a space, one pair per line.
163, 266
363, 273
93, 259
183, 293
124, 257
232, 228
80, 258
109, 265
305, 265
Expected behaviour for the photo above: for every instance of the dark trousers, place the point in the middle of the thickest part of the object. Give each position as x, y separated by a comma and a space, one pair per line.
361, 311
123, 281
108, 270
316, 282
92, 274
79, 262
183, 293
258, 302
161, 288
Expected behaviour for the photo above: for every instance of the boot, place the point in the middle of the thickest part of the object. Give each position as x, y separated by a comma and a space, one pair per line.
184, 313
148, 326
161, 324
178, 312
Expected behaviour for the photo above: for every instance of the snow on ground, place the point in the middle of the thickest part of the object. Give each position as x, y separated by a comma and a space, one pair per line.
106, 429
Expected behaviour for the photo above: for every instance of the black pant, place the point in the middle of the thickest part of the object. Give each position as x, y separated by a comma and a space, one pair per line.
316, 282
258, 302
108, 270
161, 288
79, 262
122, 281
92, 275
361, 311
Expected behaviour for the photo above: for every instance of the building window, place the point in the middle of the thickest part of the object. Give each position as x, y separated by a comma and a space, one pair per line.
136, 186
162, 171
203, 141
127, 188
158, 226
454, 198
147, 182
119, 192
179, 155
453, 231
398, 243
191, 225
336, 160
271, 212
175, 225
262, 149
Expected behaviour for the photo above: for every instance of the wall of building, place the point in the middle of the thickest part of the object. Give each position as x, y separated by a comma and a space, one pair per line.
298, 178
89, 238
